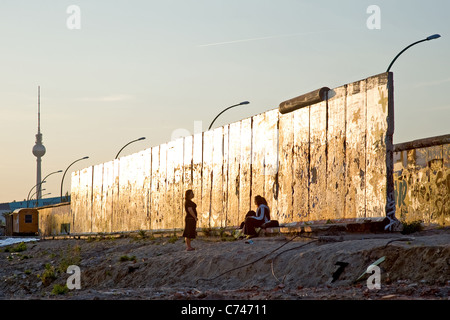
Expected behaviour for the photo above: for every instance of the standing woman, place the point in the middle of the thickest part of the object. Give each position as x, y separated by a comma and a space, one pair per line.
190, 219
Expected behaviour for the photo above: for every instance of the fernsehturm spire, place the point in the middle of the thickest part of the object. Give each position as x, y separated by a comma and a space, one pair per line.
38, 149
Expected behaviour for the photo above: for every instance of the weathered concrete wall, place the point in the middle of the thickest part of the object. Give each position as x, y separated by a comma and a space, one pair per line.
329, 160
52, 219
422, 180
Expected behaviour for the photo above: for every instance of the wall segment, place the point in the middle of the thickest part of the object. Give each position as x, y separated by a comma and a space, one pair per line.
329, 160
422, 180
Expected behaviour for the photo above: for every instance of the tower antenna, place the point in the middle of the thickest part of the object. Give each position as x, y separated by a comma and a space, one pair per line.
39, 109
38, 150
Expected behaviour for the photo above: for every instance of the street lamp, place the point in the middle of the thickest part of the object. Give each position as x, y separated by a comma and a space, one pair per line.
35, 194
43, 180
239, 104
28, 197
434, 36
143, 138
62, 180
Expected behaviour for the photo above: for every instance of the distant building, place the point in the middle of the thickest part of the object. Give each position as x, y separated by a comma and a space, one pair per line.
11, 206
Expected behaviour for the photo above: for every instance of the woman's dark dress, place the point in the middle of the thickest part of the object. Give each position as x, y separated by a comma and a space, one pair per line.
189, 230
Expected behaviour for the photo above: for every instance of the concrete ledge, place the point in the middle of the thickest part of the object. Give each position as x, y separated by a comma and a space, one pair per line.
422, 143
346, 225
357, 225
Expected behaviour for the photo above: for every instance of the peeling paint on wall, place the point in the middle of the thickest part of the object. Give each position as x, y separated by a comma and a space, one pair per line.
55, 220
329, 160
422, 181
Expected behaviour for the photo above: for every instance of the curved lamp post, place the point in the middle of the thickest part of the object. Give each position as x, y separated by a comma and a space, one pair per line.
434, 36
239, 104
35, 194
43, 180
62, 180
51, 174
28, 197
143, 138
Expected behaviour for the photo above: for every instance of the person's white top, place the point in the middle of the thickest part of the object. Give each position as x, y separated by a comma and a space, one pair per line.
262, 213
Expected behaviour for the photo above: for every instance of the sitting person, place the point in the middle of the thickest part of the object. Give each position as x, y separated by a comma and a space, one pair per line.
256, 219
251, 213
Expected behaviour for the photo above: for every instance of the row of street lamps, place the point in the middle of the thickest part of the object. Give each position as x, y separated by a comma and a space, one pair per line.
434, 36
39, 185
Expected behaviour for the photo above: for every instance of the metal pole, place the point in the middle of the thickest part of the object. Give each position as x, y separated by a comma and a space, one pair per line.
62, 180
28, 197
128, 144
43, 180
242, 103
434, 36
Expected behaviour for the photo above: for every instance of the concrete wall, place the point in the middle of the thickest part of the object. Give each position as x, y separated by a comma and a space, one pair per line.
422, 180
329, 160
52, 217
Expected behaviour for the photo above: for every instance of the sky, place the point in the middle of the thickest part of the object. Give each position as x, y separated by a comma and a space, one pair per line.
113, 71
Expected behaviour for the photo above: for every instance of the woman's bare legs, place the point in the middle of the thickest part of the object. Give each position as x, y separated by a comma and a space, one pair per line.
188, 244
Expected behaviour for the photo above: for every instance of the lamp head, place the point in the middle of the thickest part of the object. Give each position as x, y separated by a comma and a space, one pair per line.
434, 36
244, 102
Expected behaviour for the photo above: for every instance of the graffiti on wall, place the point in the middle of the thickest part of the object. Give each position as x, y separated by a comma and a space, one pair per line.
422, 184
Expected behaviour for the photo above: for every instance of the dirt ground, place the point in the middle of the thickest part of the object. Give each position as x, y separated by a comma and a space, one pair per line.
416, 266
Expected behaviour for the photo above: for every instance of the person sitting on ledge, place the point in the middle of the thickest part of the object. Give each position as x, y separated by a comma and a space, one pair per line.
254, 220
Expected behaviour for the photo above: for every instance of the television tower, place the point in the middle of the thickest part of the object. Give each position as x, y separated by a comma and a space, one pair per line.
38, 149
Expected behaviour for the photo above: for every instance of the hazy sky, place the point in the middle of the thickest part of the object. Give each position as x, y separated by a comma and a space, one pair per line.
148, 68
